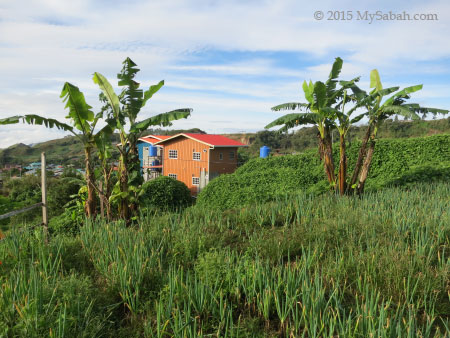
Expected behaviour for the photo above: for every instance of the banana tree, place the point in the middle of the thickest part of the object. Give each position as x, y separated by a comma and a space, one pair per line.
104, 151
322, 110
124, 109
343, 121
83, 127
377, 111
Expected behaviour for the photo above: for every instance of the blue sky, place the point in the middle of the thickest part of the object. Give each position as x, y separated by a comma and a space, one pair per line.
228, 60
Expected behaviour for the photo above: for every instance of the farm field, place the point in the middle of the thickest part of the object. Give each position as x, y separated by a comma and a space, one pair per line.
376, 265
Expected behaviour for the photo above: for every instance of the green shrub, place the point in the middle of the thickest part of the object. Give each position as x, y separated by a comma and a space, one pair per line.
165, 193
68, 223
395, 162
60, 192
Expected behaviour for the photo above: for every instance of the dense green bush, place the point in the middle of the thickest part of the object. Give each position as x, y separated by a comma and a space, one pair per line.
165, 193
395, 162
395, 158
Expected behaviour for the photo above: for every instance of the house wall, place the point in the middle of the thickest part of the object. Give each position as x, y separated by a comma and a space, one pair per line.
225, 165
184, 166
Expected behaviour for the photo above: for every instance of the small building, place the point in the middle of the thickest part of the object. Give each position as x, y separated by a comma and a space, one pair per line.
195, 159
150, 155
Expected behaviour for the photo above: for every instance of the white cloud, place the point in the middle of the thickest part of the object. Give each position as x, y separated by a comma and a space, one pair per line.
44, 43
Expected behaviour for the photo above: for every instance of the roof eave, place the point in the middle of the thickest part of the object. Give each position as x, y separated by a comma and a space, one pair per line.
193, 138
187, 136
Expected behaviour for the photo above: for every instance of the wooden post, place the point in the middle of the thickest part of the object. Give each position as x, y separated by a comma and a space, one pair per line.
44, 196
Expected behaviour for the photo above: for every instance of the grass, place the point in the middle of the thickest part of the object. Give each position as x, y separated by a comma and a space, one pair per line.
299, 266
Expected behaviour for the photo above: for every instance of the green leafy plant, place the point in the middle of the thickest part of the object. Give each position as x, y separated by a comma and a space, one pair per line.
325, 105
165, 193
83, 127
379, 110
326, 110
263, 180
124, 109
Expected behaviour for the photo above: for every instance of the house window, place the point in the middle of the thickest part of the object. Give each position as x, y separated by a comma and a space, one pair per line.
196, 156
173, 154
220, 156
174, 176
195, 181
231, 155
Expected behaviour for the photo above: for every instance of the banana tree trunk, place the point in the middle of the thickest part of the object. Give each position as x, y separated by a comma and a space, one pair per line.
90, 204
360, 159
106, 191
342, 165
124, 208
366, 166
328, 157
321, 147
134, 165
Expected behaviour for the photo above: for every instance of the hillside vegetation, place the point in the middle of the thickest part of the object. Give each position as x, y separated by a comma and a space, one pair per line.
69, 150
306, 138
375, 266
396, 162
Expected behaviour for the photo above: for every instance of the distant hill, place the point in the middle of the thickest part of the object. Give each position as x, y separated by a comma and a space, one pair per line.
60, 151
68, 150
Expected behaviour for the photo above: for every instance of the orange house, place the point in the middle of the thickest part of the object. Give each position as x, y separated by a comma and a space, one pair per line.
195, 159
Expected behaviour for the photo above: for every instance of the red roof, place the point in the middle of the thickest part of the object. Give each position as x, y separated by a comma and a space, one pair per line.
209, 139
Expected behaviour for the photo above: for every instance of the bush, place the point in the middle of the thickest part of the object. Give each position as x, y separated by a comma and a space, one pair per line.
395, 162
60, 192
263, 180
68, 223
165, 193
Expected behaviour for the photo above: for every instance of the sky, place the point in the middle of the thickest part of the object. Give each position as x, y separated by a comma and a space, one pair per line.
230, 61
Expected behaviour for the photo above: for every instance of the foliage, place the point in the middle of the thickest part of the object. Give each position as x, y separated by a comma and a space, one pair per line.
124, 109
83, 125
374, 265
379, 110
27, 191
6, 205
325, 109
60, 192
271, 178
241, 188
165, 193
120, 109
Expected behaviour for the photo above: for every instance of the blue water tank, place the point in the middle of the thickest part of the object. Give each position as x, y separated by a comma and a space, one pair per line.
153, 151
264, 151
155, 162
